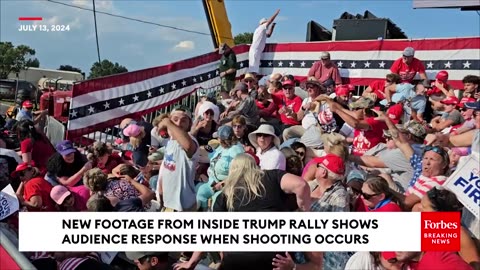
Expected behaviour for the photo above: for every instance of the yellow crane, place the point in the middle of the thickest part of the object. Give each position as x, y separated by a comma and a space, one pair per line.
218, 22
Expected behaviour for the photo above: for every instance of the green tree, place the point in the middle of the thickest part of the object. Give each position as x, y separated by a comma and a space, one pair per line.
32, 63
69, 68
105, 68
14, 59
243, 38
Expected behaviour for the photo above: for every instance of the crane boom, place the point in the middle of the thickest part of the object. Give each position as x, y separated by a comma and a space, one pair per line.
218, 22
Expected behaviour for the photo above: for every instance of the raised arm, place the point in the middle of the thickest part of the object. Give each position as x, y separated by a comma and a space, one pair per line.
181, 136
270, 21
401, 142
291, 183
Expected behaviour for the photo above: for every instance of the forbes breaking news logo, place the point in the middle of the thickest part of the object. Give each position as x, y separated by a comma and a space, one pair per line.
441, 231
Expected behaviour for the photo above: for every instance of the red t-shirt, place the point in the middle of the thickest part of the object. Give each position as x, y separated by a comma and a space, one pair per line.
41, 151
378, 88
39, 187
366, 139
113, 161
442, 261
294, 104
407, 72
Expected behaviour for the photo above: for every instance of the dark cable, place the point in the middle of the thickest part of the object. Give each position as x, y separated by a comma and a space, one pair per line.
96, 34
136, 20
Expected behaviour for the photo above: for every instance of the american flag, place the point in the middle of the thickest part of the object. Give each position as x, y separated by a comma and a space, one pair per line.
102, 103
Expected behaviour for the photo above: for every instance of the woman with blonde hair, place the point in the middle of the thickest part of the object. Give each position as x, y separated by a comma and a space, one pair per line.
249, 189
136, 135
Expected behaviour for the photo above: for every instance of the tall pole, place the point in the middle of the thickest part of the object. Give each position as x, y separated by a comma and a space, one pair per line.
96, 32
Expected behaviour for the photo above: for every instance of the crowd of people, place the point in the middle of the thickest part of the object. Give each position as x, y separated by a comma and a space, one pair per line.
258, 146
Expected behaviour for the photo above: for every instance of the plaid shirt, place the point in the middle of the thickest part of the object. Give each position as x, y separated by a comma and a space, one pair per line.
335, 199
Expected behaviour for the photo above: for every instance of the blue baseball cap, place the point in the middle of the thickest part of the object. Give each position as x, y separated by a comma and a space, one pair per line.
65, 148
472, 105
225, 132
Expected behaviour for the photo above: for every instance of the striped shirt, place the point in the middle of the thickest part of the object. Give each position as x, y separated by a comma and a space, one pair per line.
424, 184
73, 263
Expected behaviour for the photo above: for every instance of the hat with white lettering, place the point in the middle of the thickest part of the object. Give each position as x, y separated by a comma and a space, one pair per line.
333, 163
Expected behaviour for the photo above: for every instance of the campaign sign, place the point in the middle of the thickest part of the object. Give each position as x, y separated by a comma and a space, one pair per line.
465, 183
8, 202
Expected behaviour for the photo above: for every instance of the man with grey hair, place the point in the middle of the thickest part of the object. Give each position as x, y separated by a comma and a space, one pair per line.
325, 70
258, 42
408, 66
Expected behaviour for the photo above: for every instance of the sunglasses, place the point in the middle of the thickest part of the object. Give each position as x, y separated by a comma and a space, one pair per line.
368, 196
437, 149
210, 112
325, 58
263, 135
300, 153
387, 138
249, 81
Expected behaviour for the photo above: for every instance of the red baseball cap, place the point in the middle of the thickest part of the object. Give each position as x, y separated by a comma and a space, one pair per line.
21, 167
27, 104
388, 255
342, 90
251, 153
450, 101
465, 100
333, 163
395, 113
442, 76
288, 82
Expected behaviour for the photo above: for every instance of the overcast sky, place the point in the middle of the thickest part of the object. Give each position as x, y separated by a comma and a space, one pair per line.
138, 45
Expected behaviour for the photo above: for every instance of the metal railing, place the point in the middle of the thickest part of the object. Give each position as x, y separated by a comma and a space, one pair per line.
11, 247
109, 135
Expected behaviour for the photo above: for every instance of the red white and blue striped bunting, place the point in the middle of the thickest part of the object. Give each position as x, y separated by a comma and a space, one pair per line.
102, 103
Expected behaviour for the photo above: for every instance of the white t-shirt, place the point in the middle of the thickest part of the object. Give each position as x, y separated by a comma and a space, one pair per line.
177, 175
309, 117
272, 159
362, 260
256, 48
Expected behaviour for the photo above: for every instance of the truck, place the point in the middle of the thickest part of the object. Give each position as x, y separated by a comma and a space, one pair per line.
34, 75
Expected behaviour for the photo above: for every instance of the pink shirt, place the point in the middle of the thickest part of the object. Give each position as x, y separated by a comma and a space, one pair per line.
323, 73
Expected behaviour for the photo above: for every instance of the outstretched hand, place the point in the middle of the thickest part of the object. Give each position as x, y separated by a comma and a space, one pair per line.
283, 262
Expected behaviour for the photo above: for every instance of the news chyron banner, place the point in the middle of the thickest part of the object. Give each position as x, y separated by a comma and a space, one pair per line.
240, 232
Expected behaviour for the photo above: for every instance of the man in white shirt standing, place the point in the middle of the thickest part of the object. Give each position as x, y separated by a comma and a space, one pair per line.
177, 173
258, 42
